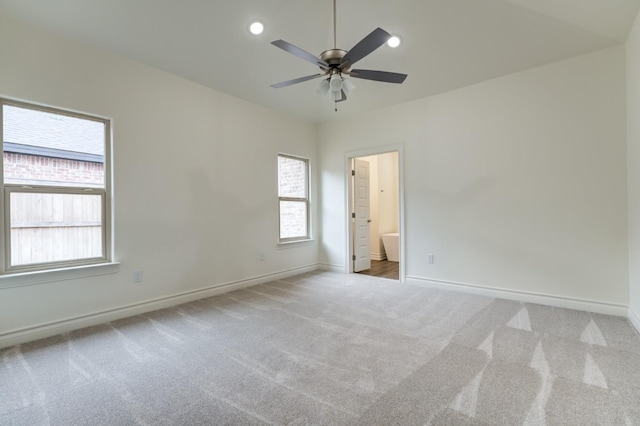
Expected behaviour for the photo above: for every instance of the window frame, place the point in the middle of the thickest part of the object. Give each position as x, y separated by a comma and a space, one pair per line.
305, 200
6, 269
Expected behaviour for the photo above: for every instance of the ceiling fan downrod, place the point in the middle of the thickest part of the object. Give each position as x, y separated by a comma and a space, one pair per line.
335, 32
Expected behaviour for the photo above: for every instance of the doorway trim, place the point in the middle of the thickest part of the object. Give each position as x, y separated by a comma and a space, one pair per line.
348, 157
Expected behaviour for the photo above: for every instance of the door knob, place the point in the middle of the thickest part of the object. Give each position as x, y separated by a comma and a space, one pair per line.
368, 220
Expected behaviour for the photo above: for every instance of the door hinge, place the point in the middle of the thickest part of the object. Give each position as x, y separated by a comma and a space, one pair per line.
353, 257
353, 215
353, 172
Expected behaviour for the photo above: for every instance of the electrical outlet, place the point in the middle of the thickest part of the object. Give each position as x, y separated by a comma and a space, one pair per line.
430, 258
137, 277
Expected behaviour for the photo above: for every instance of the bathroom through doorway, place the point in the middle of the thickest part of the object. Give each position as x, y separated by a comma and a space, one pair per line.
375, 214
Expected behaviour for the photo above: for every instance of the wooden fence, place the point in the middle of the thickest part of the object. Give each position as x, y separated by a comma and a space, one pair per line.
47, 227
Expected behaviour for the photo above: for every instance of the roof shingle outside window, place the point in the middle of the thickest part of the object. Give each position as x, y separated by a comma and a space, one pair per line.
53, 135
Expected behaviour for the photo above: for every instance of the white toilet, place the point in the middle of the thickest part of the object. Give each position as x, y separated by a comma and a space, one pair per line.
391, 246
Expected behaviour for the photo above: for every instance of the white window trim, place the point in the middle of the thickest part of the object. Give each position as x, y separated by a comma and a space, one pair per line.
294, 241
294, 244
22, 279
55, 271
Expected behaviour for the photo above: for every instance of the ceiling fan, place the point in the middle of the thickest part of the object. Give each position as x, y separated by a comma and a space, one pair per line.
336, 63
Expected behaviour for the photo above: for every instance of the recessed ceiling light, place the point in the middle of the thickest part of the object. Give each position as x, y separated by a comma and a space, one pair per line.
256, 28
394, 41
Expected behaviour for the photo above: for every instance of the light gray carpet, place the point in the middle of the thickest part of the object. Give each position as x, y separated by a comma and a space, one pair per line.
327, 348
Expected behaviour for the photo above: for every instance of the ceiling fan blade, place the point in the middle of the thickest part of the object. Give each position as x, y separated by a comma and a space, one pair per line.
344, 97
296, 80
300, 53
375, 39
384, 76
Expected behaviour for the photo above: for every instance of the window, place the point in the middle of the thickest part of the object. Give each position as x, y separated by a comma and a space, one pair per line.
54, 177
293, 198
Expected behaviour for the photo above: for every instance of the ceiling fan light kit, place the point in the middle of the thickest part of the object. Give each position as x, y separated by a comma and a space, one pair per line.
335, 82
348, 86
337, 63
323, 88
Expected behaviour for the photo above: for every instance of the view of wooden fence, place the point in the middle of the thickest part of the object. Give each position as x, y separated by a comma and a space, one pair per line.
49, 227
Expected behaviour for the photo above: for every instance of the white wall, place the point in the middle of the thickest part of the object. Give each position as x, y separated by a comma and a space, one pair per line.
516, 183
633, 153
195, 177
388, 196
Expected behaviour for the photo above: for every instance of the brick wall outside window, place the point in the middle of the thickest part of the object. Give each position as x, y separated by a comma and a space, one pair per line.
33, 169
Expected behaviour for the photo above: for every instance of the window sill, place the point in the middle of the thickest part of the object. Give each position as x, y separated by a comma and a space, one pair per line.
51, 275
295, 244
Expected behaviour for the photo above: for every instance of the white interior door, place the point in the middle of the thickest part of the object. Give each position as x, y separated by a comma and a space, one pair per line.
362, 222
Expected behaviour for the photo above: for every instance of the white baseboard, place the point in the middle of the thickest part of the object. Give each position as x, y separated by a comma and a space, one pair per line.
543, 299
329, 267
634, 318
378, 256
24, 335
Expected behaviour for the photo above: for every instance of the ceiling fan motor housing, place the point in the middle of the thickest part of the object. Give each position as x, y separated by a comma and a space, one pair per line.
333, 57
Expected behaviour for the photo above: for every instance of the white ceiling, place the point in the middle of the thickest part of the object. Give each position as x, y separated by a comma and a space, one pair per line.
446, 43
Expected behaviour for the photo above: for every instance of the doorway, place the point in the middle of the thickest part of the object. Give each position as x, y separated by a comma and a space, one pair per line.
375, 203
